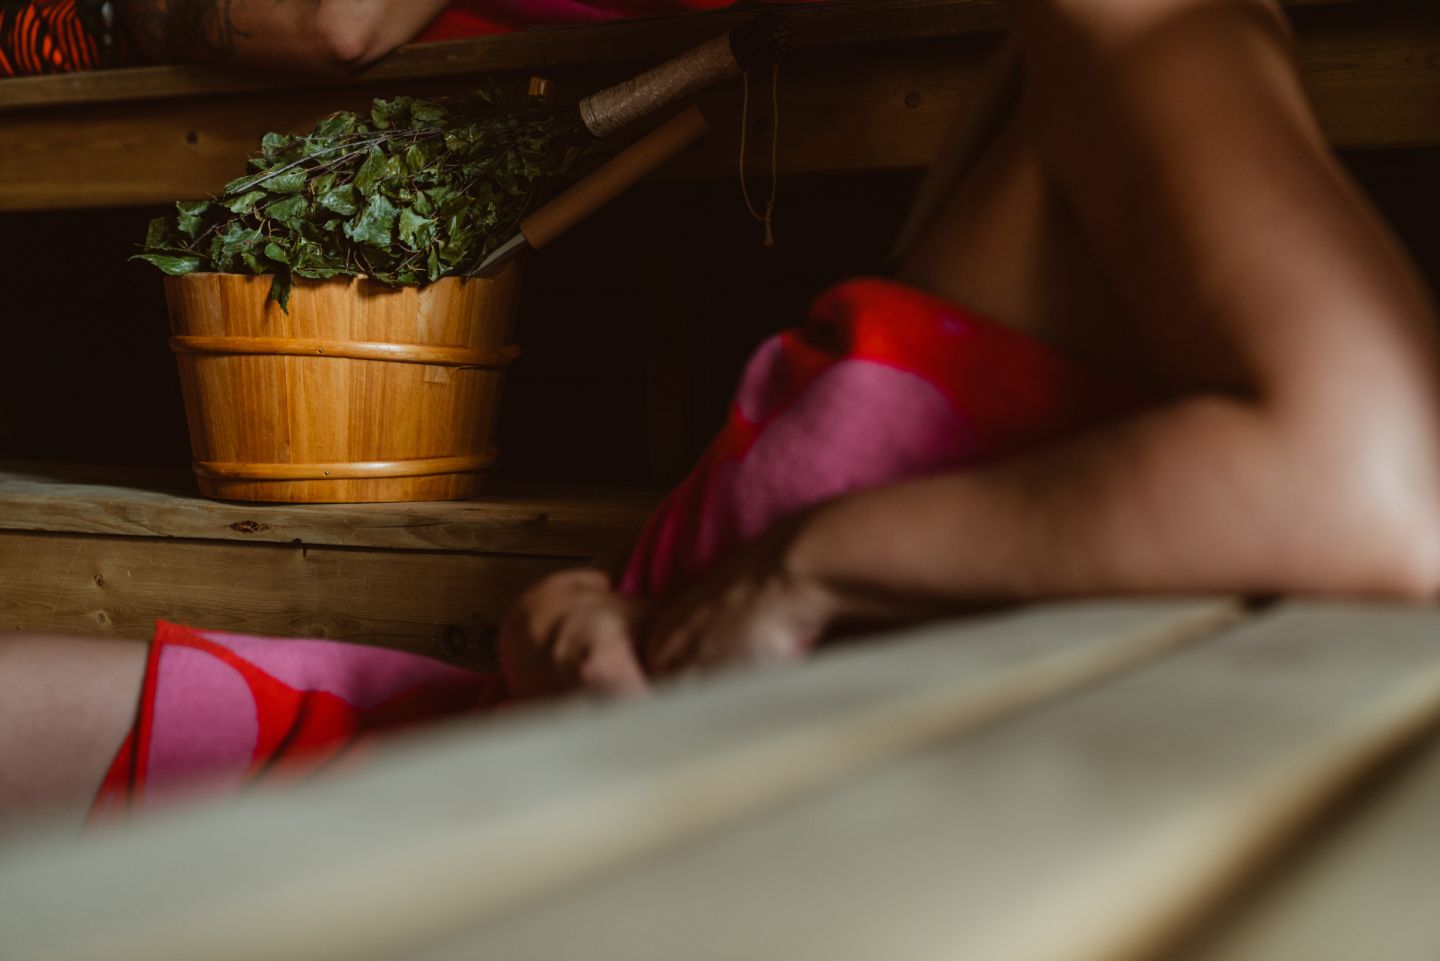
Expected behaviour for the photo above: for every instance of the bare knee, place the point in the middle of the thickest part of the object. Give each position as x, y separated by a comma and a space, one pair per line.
1107, 24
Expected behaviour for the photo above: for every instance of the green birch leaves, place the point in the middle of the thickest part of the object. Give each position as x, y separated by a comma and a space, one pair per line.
416, 191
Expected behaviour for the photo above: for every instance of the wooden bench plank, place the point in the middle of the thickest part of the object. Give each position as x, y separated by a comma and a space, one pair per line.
1095, 828
537, 520
458, 827
883, 105
1365, 889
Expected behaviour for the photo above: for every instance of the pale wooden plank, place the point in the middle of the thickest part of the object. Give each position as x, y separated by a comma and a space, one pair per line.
433, 602
541, 520
1364, 889
1095, 828
462, 826
883, 107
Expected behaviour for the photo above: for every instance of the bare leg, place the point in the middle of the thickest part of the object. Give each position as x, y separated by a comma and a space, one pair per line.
65, 707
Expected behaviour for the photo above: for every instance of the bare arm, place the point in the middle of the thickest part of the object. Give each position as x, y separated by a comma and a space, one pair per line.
322, 36
1300, 449
1206, 495
1303, 450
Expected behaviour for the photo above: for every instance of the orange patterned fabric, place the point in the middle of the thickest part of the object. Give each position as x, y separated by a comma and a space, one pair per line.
57, 36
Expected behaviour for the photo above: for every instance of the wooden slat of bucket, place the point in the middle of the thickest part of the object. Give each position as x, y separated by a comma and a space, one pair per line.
1366, 889
306, 406
441, 834
1094, 828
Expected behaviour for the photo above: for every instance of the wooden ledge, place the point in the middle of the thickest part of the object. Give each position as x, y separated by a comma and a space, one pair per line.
106, 552
873, 86
629, 41
561, 522
837, 23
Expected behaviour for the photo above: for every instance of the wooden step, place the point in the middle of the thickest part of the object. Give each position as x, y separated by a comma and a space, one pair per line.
106, 551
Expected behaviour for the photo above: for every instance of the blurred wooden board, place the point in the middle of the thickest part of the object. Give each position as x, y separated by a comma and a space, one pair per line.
449, 829
1100, 826
873, 86
1365, 889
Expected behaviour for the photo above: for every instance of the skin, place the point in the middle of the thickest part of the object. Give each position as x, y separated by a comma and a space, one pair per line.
315, 36
1160, 204
65, 706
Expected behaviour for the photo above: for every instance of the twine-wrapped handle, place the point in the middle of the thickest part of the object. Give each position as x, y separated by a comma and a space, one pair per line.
765, 39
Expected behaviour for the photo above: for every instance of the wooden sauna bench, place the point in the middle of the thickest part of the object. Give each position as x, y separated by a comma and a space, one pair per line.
872, 86
106, 551
1188, 780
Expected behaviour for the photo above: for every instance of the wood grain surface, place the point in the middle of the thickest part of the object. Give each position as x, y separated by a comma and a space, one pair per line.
841, 22
1363, 888
883, 105
457, 827
436, 603
628, 42
1100, 826
542, 520
327, 427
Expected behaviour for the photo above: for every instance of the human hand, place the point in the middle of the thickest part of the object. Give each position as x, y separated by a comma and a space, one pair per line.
751, 608
572, 630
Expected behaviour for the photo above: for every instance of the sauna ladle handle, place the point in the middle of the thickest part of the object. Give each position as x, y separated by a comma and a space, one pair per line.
764, 39
618, 175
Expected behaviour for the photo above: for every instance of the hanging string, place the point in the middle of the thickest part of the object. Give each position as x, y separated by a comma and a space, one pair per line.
767, 218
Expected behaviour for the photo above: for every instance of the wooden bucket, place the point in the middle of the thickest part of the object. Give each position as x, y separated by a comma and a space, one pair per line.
361, 393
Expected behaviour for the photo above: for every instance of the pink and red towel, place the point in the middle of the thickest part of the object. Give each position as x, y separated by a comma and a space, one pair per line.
884, 382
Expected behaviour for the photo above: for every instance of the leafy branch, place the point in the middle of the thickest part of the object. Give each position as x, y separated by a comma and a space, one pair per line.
416, 191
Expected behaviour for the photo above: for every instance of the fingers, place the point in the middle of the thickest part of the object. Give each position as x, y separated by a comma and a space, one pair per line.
612, 668
674, 634
533, 625
572, 630
595, 648
734, 627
